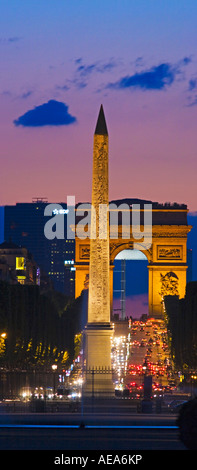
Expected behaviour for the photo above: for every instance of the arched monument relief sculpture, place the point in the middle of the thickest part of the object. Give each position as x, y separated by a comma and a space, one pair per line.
168, 252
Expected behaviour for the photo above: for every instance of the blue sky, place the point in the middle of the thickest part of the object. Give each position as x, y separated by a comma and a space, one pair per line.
137, 58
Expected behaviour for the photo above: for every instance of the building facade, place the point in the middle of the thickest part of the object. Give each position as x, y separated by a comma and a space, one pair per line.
167, 254
17, 265
24, 225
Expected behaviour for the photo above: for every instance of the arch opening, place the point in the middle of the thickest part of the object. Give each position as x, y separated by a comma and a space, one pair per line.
130, 285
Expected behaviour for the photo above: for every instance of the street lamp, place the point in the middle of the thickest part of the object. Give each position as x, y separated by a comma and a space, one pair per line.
54, 368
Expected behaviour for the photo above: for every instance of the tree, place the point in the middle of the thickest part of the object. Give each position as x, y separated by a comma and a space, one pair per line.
187, 423
181, 318
40, 328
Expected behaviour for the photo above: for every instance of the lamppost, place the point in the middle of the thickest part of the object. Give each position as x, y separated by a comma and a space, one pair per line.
54, 368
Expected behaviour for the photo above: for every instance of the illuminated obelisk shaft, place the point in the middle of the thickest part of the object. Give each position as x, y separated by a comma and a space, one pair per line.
99, 287
99, 330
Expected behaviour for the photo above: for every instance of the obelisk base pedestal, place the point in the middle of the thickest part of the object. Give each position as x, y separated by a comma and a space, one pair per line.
98, 370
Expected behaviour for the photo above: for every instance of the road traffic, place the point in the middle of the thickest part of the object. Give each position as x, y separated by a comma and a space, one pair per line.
142, 349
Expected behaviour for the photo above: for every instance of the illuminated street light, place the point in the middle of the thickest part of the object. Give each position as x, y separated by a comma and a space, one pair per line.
54, 368
4, 335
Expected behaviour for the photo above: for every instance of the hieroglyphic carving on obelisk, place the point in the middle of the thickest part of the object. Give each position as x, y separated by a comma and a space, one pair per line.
99, 287
98, 331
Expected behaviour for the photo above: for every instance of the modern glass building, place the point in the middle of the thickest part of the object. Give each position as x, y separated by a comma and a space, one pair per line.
24, 225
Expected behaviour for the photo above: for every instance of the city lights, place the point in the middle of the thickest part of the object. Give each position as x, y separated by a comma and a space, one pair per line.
142, 352
4, 335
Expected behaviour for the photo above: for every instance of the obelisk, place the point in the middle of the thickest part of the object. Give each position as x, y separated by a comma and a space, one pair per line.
99, 330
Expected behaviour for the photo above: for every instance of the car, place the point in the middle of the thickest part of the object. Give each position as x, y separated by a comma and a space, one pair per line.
150, 340
167, 389
148, 355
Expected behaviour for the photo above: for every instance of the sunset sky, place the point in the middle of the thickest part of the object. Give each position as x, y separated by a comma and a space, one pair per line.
61, 60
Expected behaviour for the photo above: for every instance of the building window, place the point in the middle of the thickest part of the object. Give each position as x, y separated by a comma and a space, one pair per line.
20, 263
21, 279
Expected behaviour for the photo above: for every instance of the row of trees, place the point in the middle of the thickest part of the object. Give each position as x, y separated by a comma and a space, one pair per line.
37, 329
181, 318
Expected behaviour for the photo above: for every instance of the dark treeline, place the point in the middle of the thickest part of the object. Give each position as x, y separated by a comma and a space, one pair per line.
181, 317
40, 328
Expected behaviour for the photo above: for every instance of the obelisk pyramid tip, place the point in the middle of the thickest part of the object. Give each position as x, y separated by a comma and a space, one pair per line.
101, 127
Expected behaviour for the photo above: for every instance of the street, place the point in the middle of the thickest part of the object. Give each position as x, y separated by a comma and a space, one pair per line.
114, 423
55, 437
141, 349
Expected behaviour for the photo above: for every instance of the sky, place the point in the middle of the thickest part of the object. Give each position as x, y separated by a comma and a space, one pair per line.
61, 60
136, 283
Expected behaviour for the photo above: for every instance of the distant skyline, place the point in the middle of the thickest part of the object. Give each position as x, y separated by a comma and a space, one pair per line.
61, 60
136, 272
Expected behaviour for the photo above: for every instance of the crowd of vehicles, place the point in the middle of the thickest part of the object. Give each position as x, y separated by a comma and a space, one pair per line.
143, 352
